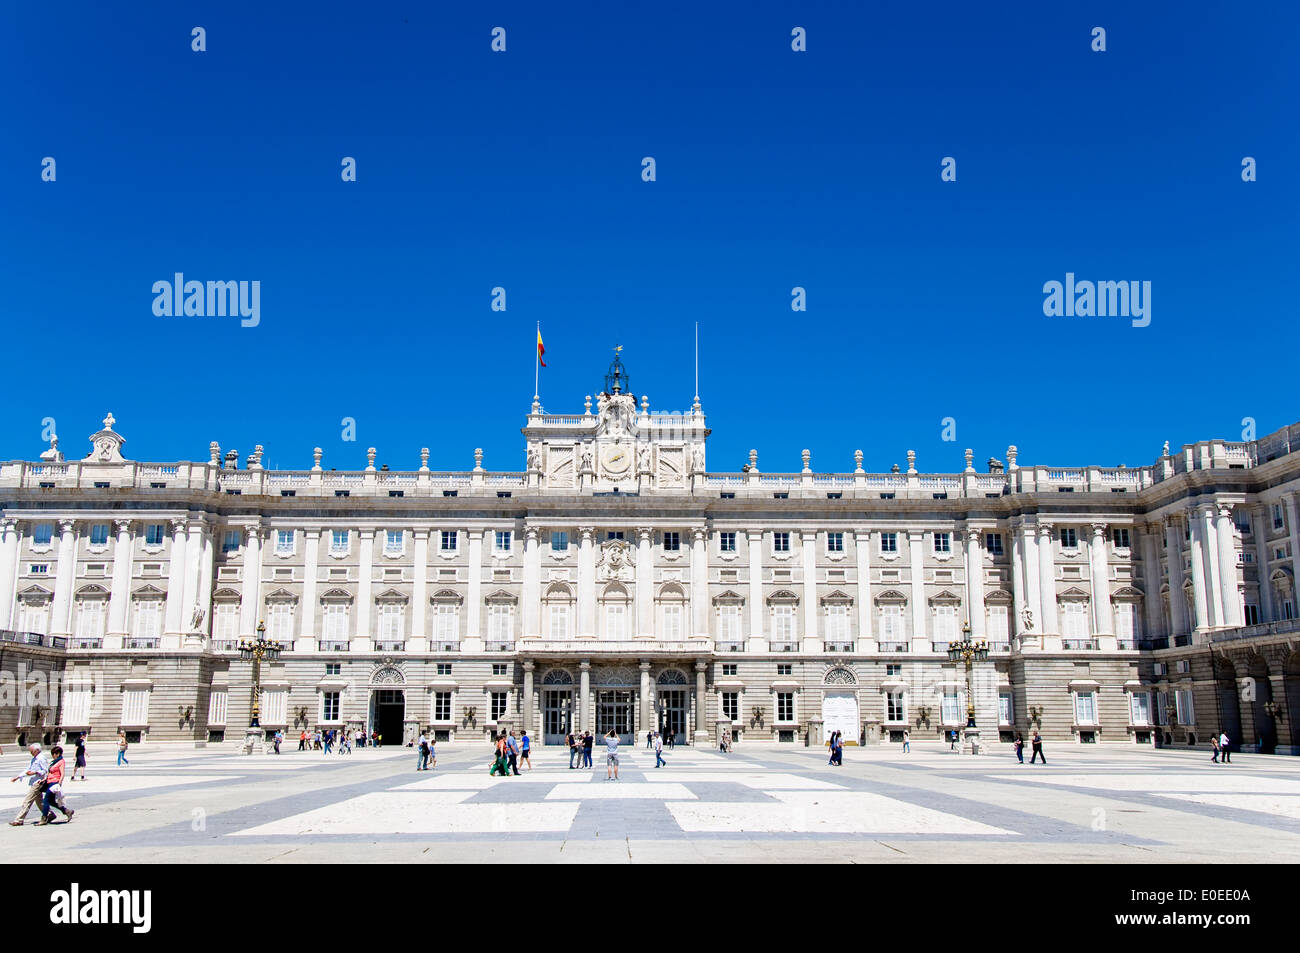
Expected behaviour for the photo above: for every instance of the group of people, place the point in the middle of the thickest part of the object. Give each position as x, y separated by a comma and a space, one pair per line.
44, 778
580, 746
511, 748
428, 754
1222, 747
1036, 743
326, 741
837, 749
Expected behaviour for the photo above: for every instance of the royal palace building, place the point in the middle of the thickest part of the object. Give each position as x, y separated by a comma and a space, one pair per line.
617, 583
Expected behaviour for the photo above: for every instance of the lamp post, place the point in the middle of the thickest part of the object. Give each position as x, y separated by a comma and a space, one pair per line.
969, 651
255, 652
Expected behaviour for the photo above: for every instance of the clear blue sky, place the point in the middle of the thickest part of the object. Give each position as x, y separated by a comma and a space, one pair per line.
775, 169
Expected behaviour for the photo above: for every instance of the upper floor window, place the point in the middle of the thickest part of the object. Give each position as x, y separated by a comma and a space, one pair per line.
834, 542
889, 542
614, 534
42, 533
338, 541
284, 541
393, 541
1120, 538
153, 534
443, 668
727, 542
448, 541
231, 541
943, 542
672, 542
892, 670
333, 668
559, 541
993, 543
1069, 538
785, 669
99, 534
728, 670
1277, 515
502, 540
780, 542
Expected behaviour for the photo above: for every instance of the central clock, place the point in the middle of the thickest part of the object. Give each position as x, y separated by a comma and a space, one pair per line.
616, 459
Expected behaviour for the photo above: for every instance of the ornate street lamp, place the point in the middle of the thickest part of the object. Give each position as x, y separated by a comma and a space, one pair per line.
255, 652
969, 651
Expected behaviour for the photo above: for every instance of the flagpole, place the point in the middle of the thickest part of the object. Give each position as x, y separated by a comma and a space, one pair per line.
537, 359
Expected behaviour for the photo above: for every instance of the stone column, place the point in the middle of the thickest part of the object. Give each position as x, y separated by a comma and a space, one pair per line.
1103, 623
584, 695
1151, 578
9, 540
1017, 582
1178, 620
1259, 521
701, 702
1229, 595
1293, 526
1210, 551
1200, 596
311, 569
757, 641
528, 698
207, 557
250, 599
174, 613
193, 572
647, 719
363, 638
120, 594
974, 584
810, 638
645, 628
862, 545
587, 583
532, 595
65, 578
916, 558
1033, 586
474, 594
1050, 621
419, 639
699, 583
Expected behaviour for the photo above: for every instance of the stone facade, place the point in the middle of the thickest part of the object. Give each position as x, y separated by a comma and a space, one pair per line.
617, 582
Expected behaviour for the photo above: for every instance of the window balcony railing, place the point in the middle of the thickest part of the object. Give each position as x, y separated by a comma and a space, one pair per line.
446, 646
999, 646
26, 638
1150, 645
1081, 645
939, 646
897, 647
1126, 645
1182, 640
390, 646
838, 646
87, 643
225, 645
784, 646
730, 646
500, 646
142, 643
333, 646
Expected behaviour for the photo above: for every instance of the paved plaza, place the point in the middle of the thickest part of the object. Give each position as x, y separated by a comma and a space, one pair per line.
764, 804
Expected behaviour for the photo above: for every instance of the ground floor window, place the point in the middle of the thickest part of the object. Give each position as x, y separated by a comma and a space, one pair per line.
330, 706
731, 706
498, 702
442, 706
1186, 711
785, 706
135, 707
895, 709
1140, 708
1085, 708
950, 710
217, 708
1005, 711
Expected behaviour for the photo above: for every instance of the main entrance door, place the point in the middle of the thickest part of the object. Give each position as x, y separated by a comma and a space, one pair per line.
672, 714
388, 712
614, 713
840, 713
557, 715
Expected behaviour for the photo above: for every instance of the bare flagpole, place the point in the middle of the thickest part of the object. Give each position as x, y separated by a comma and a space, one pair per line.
697, 365
537, 360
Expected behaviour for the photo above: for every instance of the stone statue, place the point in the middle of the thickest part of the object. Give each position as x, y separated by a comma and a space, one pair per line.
586, 459
645, 459
53, 453
1027, 616
532, 459
697, 461
196, 620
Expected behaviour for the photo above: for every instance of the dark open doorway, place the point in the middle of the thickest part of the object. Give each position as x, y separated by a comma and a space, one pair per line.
389, 713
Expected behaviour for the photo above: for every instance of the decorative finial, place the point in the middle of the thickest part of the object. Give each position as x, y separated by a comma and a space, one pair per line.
1165, 451
214, 454
109, 421
587, 405
807, 457
316, 455
1011, 457
478, 458
645, 404
911, 461
857, 461
753, 459
424, 459
370, 458
970, 456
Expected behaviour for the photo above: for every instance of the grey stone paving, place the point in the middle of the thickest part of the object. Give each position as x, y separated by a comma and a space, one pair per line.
758, 804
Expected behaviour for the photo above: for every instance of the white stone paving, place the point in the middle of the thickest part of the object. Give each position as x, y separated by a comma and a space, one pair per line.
1210, 781
832, 813
431, 812
1280, 805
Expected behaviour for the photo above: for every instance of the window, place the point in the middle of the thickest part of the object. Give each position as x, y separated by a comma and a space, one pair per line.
280, 616
99, 534
90, 622
993, 543
217, 708
780, 496
997, 623
1125, 621
339, 540
893, 671
672, 542
726, 496
786, 669
502, 541
444, 668
498, 705
225, 621
672, 621
834, 542
230, 543
40, 569
500, 622
891, 623
390, 622
1139, 706
950, 708
943, 542
393, 540
783, 623
153, 534
945, 625
1162, 708
335, 628
1277, 515
42, 533
148, 619
448, 541
731, 706
727, 542
889, 542
785, 706
135, 708
895, 708
1069, 538
498, 668
729, 623
559, 621
729, 671
284, 542
446, 623
780, 542
1085, 708
329, 709
442, 706
333, 668
837, 623
1005, 711
614, 534
559, 541
1119, 538
1074, 623
1252, 614
614, 618
1186, 711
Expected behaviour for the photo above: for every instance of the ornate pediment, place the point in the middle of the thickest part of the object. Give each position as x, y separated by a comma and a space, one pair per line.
106, 444
616, 417
616, 561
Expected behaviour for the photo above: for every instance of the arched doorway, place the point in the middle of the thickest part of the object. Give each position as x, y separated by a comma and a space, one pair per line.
1291, 681
673, 703
557, 706
1261, 688
840, 705
387, 714
1226, 690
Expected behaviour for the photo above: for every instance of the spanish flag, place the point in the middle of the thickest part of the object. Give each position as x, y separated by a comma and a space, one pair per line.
541, 348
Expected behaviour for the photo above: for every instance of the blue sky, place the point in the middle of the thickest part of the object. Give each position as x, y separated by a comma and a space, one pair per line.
522, 170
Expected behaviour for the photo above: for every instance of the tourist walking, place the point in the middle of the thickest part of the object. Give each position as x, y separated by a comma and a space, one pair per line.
121, 748
1214, 746
953, 746
37, 768
80, 763
907, 741
433, 752
422, 763
345, 743
328, 741
277, 739
671, 740
649, 739
1036, 743
573, 748
525, 750
302, 740
512, 753
588, 743
1225, 748
54, 789
659, 751
1020, 747
611, 757
499, 764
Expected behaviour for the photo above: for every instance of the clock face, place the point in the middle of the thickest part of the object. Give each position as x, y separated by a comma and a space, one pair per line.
616, 459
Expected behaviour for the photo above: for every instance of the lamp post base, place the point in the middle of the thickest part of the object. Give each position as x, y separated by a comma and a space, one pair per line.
971, 741
254, 742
